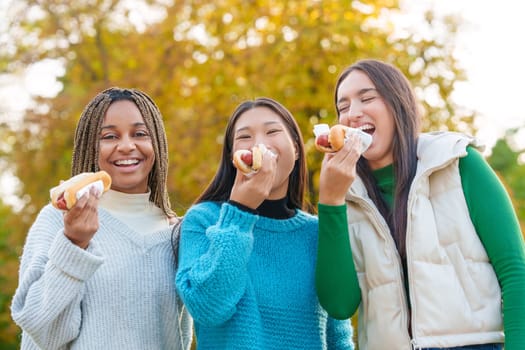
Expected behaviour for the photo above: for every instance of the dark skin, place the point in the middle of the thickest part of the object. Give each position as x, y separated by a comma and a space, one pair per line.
81, 221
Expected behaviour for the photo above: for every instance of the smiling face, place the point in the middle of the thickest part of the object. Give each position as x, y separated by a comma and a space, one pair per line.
125, 148
262, 125
360, 106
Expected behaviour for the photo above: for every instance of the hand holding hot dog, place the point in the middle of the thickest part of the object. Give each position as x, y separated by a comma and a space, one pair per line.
338, 171
253, 186
78, 198
81, 221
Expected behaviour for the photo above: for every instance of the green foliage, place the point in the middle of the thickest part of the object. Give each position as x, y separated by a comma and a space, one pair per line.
8, 276
198, 61
505, 160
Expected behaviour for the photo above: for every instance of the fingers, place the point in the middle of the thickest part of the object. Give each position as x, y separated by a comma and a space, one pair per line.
81, 221
338, 172
251, 190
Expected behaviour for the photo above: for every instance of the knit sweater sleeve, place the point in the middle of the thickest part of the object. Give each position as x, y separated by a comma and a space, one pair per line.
46, 304
339, 334
336, 279
215, 247
496, 223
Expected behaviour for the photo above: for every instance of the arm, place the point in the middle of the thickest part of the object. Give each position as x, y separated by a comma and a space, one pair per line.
46, 304
496, 223
339, 334
214, 253
338, 289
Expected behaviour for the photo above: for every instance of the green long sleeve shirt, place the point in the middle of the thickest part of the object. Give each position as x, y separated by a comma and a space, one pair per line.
494, 219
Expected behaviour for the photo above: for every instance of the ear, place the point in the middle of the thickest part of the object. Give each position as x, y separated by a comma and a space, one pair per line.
296, 148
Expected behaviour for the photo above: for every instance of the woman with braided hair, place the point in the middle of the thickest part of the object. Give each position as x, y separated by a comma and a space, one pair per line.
99, 276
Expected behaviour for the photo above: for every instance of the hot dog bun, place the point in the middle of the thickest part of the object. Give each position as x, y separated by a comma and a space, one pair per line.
333, 140
256, 154
65, 195
337, 136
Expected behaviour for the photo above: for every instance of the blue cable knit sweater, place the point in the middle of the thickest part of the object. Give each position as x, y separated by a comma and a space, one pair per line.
248, 281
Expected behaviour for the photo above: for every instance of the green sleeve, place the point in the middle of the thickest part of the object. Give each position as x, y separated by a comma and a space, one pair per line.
336, 280
498, 228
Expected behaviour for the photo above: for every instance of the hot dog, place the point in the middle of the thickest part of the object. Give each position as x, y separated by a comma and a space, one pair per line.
65, 195
249, 161
333, 139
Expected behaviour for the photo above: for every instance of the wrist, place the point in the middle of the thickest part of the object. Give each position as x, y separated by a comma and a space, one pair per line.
83, 244
331, 200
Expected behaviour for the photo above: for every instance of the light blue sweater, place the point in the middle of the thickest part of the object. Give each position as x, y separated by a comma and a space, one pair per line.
117, 294
248, 281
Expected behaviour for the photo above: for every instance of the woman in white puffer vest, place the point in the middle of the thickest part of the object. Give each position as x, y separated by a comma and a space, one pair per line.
424, 235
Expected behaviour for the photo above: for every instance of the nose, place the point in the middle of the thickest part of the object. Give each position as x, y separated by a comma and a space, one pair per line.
260, 138
355, 110
126, 144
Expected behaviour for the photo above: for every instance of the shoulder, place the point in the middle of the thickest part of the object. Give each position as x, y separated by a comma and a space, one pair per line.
437, 148
473, 158
205, 213
473, 164
51, 216
447, 140
47, 225
307, 217
307, 220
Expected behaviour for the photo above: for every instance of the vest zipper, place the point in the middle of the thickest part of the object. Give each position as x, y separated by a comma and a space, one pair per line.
413, 342
411, 291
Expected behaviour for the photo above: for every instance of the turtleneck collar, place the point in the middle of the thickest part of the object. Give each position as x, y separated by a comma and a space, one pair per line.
135, 210
276, 209
115, 201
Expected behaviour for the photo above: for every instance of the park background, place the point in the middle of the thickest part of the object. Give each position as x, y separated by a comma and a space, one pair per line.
198, 60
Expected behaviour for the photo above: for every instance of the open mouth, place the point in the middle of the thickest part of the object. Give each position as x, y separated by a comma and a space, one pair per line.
126, 162
368, 128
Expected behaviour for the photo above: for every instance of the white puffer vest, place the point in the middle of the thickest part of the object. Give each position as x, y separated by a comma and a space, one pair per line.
454, 293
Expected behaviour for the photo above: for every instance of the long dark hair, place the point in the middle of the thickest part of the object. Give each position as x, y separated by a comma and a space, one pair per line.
399, 98
219, 189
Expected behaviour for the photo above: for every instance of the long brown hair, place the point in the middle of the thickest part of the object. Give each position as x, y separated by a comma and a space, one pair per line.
399, 98
221, 185
86, 148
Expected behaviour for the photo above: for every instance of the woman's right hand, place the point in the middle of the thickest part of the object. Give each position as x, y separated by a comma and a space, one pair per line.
338, 172
81, 221
251, 190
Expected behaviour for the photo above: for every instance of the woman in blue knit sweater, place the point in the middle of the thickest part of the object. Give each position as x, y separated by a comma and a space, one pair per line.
247, 250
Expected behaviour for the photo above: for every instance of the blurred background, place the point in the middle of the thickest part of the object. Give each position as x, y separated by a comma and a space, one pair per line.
199, 59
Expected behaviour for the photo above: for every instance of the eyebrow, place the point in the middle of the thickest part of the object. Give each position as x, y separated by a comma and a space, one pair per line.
266, 124
360, 93
110, 126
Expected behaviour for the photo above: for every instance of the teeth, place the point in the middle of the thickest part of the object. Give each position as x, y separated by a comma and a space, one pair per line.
366, 127
126, 162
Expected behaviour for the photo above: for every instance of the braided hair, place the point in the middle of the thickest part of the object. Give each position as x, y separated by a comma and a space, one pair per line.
87, 133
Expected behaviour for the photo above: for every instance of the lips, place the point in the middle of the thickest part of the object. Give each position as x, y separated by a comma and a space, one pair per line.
126, 162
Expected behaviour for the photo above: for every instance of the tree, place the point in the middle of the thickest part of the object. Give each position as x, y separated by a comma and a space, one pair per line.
199, 69
507, 160
198, 60
9, 249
